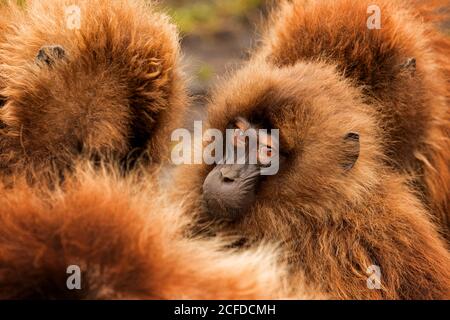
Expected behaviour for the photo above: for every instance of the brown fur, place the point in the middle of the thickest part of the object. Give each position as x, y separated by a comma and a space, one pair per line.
128, 242
413, 109
333, 223
118, 93
119, 89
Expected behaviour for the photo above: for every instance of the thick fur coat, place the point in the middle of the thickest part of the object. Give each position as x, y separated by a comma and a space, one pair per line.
117, 92
412, 102
128, 242
319, 75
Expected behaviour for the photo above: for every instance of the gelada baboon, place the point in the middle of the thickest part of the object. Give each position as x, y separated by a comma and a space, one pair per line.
127, 242
111, 86
95, 77
336, 206
403, 69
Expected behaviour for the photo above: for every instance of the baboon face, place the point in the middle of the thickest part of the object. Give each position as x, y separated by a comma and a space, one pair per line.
320, 122
230, 187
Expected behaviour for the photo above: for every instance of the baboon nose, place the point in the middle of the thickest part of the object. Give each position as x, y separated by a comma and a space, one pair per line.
228, 174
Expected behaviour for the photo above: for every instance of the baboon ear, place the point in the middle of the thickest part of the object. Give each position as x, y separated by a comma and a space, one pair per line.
351, 150
47, 55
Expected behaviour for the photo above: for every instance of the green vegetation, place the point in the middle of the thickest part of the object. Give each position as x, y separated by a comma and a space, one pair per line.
205, 72
19, 2
209, 15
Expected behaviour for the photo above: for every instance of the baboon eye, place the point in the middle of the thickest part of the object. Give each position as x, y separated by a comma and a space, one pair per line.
267, 151
265, 154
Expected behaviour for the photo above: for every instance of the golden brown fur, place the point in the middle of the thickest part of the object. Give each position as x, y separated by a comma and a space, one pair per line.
334, 224
119, 88
118, 93
128, 242
127, 239
413, 106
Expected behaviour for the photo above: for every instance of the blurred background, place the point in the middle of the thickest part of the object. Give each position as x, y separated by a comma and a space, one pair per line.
217, 35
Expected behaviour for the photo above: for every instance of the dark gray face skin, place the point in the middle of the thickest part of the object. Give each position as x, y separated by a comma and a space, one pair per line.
230, 189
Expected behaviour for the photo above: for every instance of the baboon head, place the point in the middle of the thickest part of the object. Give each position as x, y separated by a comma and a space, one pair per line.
327, 143
111, 88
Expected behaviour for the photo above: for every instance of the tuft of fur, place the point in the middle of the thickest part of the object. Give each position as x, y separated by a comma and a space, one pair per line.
413, 106
334, 224
128, 241
118, 92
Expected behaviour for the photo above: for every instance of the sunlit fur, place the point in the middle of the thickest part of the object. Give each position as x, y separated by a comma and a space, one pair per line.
413, 106
333, 223
119, 92
119, 86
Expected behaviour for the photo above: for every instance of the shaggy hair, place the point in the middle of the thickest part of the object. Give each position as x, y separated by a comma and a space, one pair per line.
333, 223
412, 103
128, 241
118, 91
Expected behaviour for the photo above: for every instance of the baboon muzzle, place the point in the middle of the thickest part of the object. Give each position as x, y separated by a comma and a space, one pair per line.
229, 190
